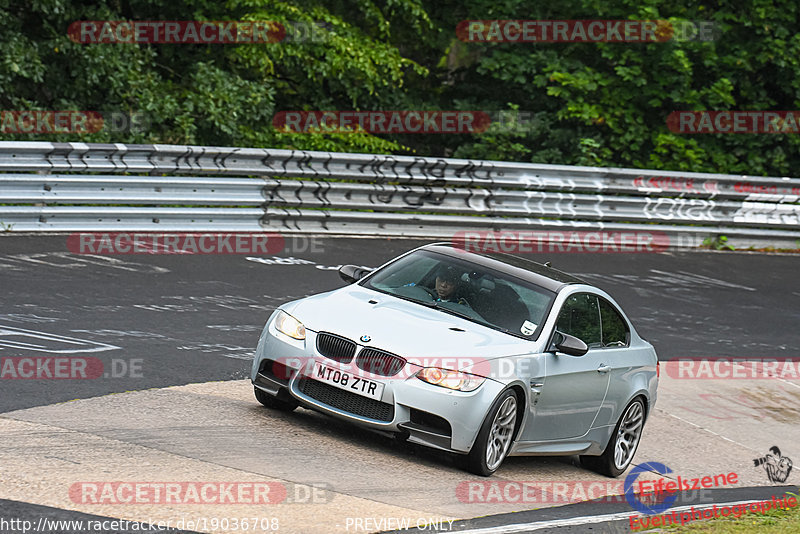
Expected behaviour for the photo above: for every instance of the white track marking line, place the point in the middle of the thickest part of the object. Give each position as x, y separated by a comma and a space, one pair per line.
709, 431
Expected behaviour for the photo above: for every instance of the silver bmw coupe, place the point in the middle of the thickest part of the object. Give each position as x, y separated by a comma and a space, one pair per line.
482, 355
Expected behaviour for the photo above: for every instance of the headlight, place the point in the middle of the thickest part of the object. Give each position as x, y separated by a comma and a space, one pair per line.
450, 379
290, 326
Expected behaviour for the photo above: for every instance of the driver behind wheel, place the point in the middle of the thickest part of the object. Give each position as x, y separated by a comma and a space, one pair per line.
447, 283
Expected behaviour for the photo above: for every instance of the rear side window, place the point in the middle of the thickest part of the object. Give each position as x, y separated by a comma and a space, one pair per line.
580, 317
615, 331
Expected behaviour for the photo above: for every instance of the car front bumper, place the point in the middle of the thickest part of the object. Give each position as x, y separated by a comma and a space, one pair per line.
430, 415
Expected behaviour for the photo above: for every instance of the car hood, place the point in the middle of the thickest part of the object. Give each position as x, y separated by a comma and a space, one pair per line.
403, 327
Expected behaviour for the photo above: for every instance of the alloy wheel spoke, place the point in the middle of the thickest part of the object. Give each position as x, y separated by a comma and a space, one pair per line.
628, 435
500, 435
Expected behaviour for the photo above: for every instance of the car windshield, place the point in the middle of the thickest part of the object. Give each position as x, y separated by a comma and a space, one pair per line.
480, 294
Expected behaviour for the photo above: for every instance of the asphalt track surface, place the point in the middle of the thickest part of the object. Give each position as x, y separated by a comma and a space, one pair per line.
195, 318
164, 320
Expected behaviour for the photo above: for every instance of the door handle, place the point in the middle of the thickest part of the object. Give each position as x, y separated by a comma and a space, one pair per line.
603, 368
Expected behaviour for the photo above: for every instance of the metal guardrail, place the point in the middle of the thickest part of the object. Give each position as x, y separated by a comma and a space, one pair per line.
102, 187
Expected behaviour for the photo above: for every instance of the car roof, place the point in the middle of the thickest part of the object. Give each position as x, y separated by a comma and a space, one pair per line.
536, 273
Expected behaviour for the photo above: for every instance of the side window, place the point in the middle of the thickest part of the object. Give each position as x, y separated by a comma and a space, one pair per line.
580, 317
615, 329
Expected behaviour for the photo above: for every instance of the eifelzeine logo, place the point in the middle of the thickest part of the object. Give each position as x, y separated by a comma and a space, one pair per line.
382, 122
176, 31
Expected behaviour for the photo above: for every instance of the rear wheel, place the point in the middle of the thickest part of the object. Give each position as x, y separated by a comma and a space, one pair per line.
273, 402
495, 436
623, 443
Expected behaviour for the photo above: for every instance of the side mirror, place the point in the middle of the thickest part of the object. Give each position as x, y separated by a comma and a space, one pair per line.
352, 273
569, 344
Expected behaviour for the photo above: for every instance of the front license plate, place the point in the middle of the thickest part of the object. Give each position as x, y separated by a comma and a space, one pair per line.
348, 381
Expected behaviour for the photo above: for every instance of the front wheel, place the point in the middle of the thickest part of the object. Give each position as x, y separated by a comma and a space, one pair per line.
495, 436
622, 445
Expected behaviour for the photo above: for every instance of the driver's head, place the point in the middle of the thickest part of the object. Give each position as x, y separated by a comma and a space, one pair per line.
446, 282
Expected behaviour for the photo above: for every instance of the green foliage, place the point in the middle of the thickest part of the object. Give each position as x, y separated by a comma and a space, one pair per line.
719, 242
601, 104
211, 93
606, 104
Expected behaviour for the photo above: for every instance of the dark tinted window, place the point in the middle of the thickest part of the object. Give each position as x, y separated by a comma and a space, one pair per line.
580, 317
615, 329
479, 293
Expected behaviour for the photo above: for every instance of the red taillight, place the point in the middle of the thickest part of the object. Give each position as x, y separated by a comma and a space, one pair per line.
658, 369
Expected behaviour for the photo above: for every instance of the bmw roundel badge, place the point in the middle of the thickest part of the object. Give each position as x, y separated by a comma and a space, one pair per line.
365, 338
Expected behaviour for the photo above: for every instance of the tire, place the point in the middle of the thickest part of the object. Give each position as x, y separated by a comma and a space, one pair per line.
495, 436
273, 402
619, 453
